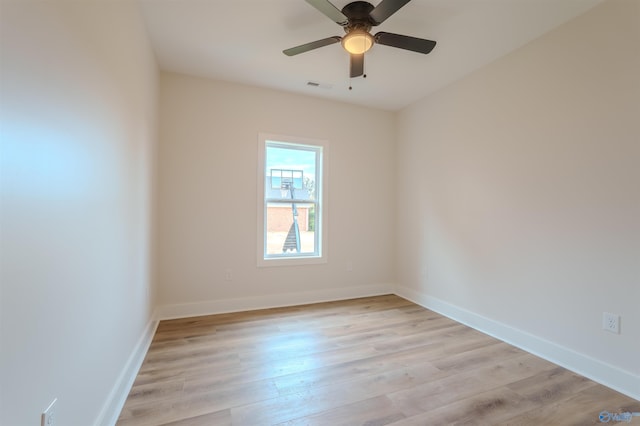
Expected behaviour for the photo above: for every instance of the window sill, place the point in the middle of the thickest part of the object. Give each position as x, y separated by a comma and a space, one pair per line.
291, 261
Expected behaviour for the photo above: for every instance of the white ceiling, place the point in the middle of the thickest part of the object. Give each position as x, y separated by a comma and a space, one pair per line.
242, 41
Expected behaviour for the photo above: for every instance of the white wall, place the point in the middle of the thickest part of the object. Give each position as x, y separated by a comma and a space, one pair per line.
522, 190
208, 193
77, 132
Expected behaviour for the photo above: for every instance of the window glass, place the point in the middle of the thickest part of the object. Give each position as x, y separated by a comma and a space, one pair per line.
291, 200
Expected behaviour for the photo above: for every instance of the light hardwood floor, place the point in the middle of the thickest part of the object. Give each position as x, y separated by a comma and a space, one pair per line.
371, 361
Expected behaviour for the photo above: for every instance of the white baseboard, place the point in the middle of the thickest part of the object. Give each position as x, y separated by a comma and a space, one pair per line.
111, 409
598, 371
211, 307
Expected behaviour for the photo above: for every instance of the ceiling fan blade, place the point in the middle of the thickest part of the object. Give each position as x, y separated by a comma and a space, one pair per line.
310, 46
385, 9
357, 65
414, 44
330, 11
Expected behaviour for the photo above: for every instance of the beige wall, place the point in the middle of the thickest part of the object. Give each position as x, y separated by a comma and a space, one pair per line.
208, 193
77, 130
523, 181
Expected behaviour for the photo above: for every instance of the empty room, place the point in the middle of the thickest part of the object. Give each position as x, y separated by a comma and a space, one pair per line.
313, 212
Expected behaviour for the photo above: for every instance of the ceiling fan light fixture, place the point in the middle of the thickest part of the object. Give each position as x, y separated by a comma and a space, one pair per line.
357, 42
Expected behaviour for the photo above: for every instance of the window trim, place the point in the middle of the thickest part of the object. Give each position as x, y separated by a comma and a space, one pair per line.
322, 212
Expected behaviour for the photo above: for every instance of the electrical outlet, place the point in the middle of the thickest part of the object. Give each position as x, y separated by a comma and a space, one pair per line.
48, 417
611, 322
228, 275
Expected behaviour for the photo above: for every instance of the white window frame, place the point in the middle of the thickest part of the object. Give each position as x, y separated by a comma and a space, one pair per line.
322, 217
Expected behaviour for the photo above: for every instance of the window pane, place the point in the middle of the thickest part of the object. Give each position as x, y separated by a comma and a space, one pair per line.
291, 173
289, 184
290, 228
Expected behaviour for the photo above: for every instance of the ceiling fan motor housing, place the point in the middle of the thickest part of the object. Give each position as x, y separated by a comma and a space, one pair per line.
358, 13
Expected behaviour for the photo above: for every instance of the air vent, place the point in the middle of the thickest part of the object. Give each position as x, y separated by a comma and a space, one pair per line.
320, 85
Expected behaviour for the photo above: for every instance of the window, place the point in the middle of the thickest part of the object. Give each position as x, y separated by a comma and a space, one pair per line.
291, 207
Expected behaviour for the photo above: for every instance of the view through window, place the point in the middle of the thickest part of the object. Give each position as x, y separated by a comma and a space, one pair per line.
292, 213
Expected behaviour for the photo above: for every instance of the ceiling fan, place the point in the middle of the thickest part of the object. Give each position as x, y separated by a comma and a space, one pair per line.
357, 18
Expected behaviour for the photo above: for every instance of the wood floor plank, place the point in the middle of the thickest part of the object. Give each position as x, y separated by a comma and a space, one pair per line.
378, 411
314, 400
158, 391
486, 408
370, 361
337, 374
477, 357
581, 408
551, 385
219, 418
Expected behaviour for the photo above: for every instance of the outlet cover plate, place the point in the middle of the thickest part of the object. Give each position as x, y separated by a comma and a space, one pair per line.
611, 322
48, 416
